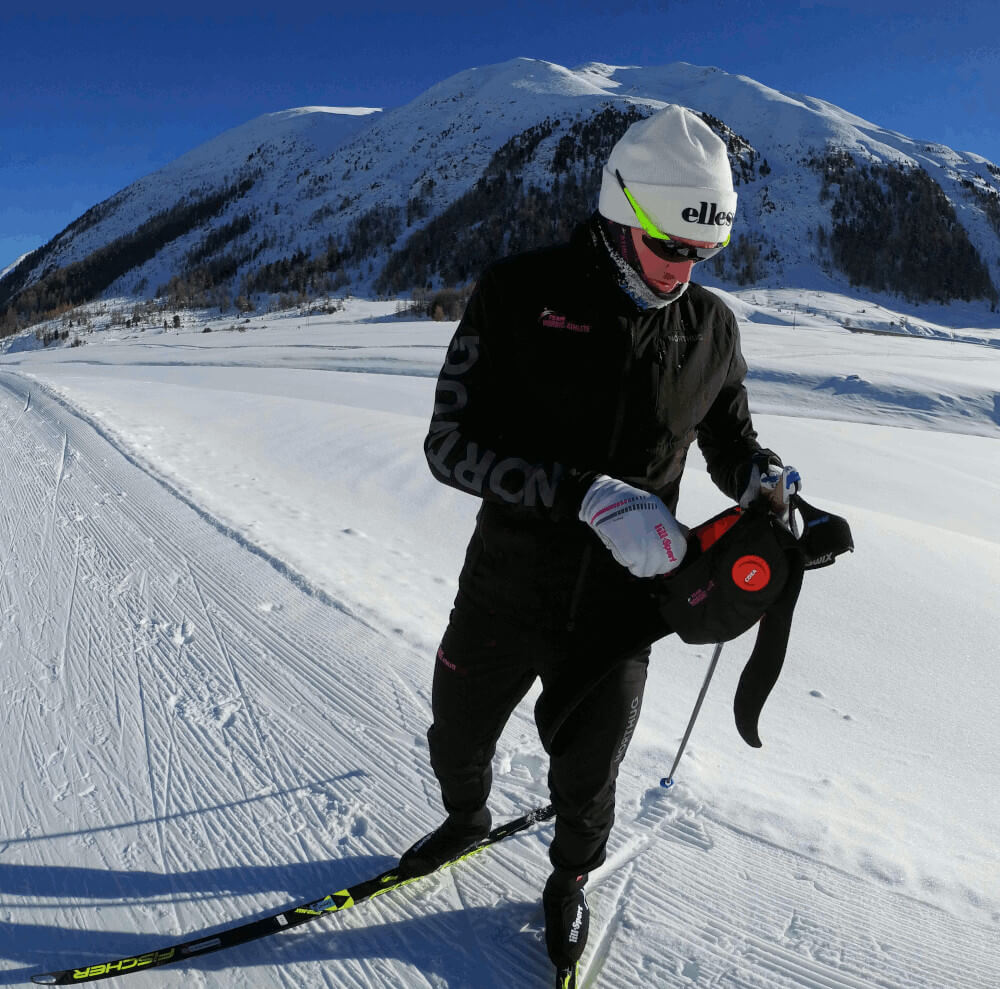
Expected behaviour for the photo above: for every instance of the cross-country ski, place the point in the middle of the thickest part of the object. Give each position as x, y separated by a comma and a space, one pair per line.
284, 920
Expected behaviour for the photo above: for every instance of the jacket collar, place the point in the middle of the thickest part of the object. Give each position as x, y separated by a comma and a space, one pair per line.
614, 269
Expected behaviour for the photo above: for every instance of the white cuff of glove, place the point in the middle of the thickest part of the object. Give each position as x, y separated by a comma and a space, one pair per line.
638, 529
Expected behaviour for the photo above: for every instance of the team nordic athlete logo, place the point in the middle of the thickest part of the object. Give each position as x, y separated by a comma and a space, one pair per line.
700, 595
751, 573
557, 321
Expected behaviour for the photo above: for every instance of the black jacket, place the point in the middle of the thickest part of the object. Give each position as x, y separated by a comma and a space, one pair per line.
555, 375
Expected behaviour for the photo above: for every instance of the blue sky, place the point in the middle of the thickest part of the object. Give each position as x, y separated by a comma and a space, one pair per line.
91, 101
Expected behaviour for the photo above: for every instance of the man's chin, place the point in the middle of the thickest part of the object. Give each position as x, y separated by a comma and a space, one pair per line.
663, 288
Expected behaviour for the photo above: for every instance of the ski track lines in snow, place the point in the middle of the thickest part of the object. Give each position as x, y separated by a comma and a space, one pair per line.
155, 668
788, 922
199, 735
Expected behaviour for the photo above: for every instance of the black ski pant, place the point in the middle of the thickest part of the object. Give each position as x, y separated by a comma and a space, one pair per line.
484, 668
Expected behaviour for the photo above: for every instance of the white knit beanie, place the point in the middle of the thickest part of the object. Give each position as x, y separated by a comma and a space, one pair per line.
678, 171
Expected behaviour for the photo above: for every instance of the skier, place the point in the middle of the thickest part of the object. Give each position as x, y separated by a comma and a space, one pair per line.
575, 382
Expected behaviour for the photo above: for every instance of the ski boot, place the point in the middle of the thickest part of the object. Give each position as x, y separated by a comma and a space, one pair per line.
567, 921
458, 834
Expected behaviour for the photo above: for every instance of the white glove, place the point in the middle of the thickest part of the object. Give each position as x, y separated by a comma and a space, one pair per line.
635, 525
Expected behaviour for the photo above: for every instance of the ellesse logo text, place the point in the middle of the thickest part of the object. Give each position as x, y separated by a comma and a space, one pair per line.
707, 215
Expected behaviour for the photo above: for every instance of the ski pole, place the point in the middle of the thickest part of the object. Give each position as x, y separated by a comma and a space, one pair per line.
668, 781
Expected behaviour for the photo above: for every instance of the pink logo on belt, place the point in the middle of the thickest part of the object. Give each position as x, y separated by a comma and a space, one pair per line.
442, 658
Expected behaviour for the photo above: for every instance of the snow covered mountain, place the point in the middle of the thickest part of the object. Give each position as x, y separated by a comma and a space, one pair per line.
384, 202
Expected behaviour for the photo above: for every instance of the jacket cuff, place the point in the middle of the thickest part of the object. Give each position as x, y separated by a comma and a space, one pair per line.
761, 458
569, 497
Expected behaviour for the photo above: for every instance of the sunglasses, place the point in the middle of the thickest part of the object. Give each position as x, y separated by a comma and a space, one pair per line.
663, 245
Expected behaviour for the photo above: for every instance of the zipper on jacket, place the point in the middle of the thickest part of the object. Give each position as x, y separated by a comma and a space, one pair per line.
616, 432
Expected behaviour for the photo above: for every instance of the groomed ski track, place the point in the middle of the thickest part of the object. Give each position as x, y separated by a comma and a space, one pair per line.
211, 737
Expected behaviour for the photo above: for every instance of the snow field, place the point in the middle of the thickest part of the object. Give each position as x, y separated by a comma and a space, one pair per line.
223, 572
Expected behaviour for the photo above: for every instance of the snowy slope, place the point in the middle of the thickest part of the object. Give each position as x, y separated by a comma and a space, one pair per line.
12, 265
224, 571
316, 171
299, 136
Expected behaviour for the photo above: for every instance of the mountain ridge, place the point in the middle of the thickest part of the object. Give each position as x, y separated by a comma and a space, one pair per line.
329, 197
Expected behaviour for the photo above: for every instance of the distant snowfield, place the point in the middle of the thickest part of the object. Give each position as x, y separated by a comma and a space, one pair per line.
224, 568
